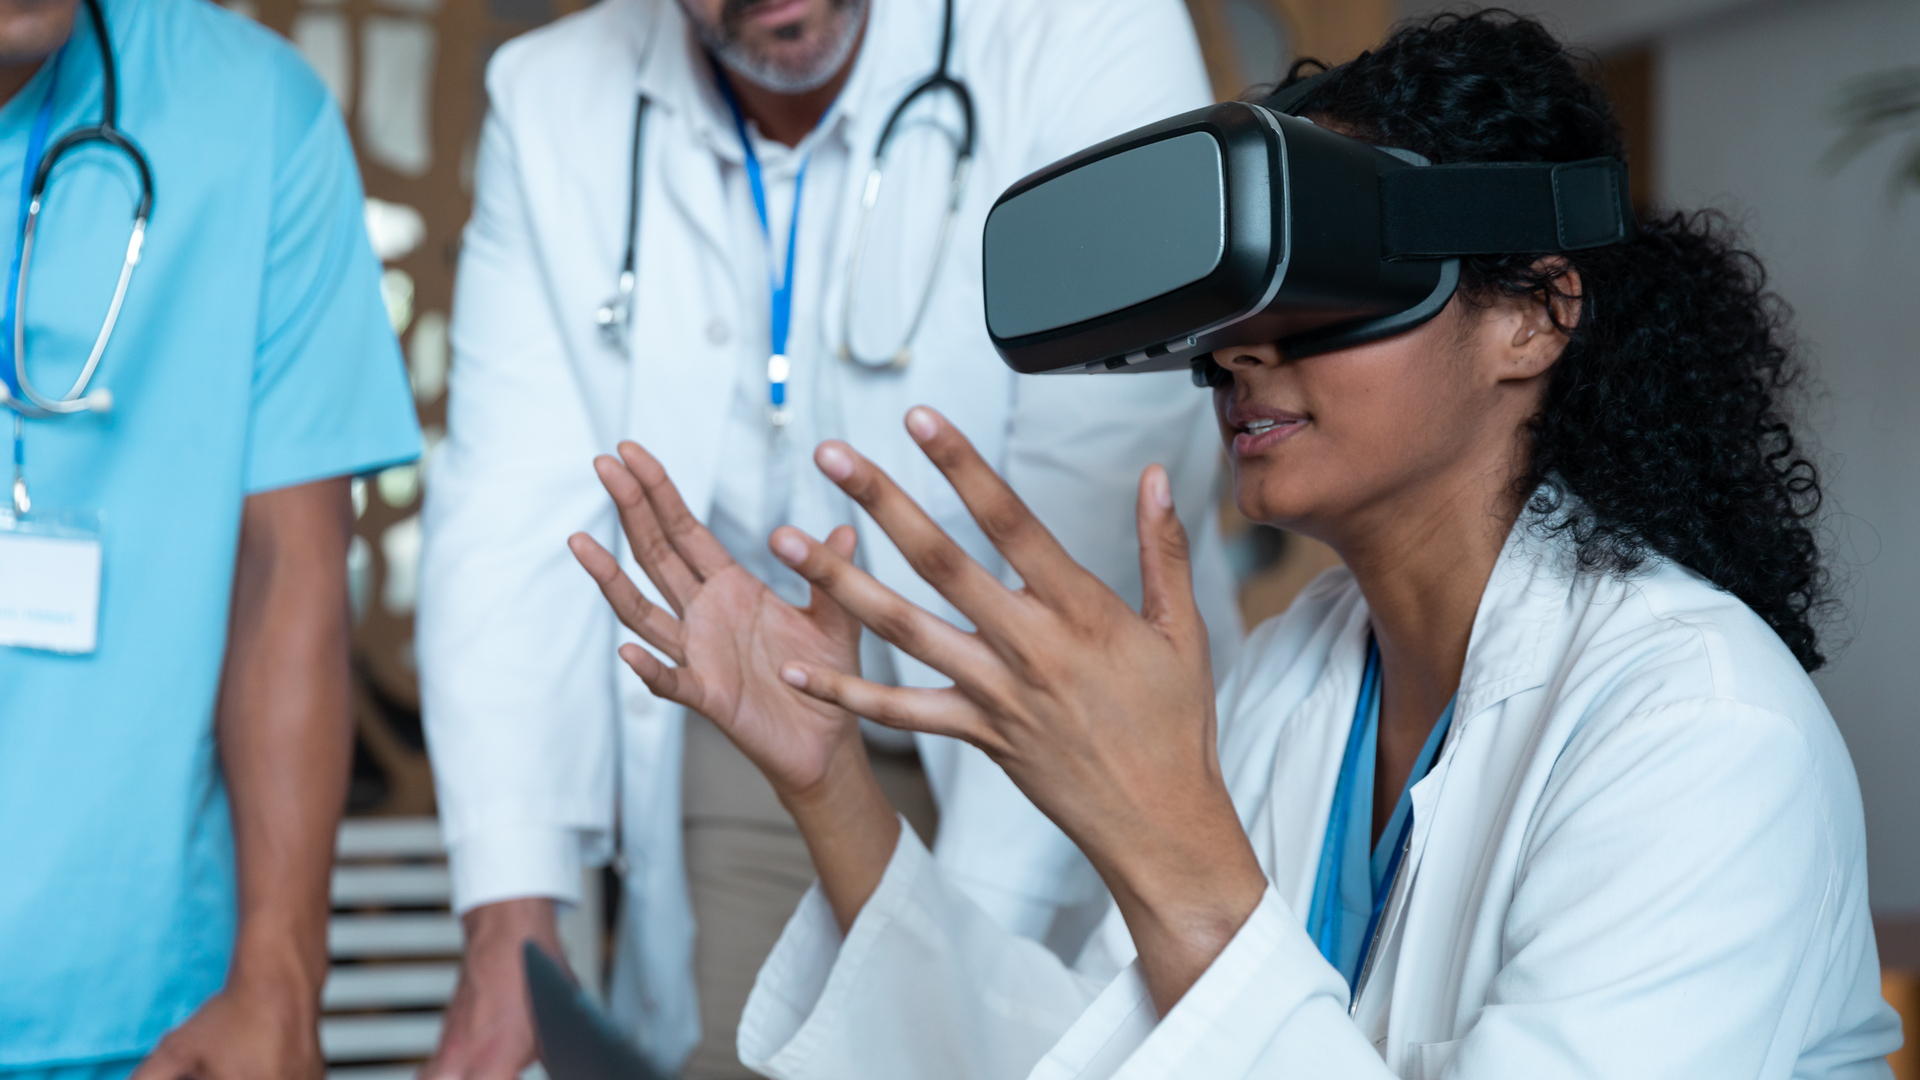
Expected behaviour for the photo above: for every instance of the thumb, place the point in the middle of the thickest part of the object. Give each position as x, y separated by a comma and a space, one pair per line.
165, 1063
1166, 560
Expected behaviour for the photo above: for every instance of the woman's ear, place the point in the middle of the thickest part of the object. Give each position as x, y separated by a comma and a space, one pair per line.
1541, 322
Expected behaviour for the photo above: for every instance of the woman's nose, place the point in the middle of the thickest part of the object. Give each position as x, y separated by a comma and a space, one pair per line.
1246, 357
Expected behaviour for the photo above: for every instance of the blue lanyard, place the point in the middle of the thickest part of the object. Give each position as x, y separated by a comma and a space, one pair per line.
36, 146
778, 367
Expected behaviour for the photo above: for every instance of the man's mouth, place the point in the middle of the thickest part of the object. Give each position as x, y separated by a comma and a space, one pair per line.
779, 13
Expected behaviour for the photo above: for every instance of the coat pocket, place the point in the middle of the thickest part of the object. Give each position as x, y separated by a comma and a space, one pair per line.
1429, 1060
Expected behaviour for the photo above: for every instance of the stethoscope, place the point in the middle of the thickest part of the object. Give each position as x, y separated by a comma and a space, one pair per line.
614, 316
22, 396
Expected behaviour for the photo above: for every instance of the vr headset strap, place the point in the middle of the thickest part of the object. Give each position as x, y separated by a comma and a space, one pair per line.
1288, 98
1441, 211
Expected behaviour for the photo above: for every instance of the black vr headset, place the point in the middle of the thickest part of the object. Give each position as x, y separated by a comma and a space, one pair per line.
1243, 224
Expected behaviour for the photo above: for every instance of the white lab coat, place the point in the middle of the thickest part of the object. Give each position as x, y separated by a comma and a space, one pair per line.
535, 730
1639, 855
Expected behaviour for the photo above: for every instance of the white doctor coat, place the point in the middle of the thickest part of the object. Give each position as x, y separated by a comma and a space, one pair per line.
536, 732
1639, 855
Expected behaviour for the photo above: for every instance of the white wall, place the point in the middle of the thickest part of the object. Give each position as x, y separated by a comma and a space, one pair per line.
1746, 106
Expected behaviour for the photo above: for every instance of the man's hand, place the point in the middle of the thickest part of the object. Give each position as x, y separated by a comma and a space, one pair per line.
728, 633
489, 1030
264, 1024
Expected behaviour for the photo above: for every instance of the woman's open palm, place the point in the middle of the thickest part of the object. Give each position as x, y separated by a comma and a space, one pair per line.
728, 633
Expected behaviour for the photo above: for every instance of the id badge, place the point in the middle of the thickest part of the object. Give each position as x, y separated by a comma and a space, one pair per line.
50, 581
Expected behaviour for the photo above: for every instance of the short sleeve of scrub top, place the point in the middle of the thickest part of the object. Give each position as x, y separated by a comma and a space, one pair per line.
324, 378
253, 353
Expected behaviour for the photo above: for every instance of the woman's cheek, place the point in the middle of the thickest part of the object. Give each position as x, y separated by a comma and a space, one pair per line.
1222, 397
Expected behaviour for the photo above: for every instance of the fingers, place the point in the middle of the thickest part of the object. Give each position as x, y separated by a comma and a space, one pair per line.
655, 554
1166, 561
958, 655
933, 554
679, 685
842, 540
936, 712
635, 611
690, 538
827, 613
1045, 566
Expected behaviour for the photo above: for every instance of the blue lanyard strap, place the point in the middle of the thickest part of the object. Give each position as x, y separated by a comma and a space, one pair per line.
781, 288
36, 146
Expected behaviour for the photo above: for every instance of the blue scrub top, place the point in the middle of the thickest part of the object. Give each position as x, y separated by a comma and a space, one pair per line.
1356, 874
254, 353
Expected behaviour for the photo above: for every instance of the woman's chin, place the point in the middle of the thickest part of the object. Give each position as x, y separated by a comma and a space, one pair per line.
1274, 503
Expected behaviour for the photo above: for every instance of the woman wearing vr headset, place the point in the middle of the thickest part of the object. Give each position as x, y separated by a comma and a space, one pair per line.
1536, 785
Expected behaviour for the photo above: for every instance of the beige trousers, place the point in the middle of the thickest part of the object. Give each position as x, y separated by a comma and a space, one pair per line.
747, 869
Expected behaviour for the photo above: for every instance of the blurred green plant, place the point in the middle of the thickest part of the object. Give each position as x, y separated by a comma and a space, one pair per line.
1878, 107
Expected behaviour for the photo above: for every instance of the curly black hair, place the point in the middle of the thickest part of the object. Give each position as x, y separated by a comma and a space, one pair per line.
1668, 415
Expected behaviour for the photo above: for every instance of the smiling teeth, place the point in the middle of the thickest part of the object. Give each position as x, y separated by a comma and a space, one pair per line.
1261, 427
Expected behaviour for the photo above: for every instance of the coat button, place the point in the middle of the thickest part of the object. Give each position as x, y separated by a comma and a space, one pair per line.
717, 331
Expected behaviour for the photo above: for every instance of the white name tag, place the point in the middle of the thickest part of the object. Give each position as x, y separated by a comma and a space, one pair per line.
49, 585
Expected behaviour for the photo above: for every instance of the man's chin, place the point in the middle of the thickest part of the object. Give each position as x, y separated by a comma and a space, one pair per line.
30, 37
794, 57
783, 67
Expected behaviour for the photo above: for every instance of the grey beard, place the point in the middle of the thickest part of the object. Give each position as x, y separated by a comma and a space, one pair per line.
739, 59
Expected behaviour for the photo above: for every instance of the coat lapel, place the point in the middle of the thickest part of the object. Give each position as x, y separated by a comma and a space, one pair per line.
1291, 828
682, 374
1512, 628
1459, 806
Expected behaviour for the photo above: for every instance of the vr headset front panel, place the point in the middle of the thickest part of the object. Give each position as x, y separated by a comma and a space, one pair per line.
1027, 254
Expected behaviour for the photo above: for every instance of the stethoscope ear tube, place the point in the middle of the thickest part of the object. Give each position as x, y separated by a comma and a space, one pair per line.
101, 133
614, 316
78, 399
870, 197
937, 82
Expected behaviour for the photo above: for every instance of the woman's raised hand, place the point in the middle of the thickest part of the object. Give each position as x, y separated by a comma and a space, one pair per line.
1103, 716
727, 634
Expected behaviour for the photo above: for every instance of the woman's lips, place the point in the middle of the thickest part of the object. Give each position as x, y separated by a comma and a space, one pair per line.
1258, 429
1251, 443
